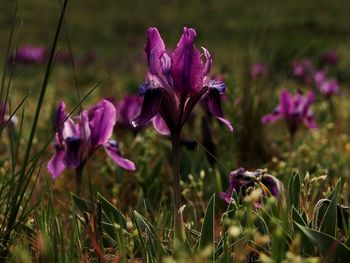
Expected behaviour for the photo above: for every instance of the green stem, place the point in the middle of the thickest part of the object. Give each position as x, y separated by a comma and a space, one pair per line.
178, 220
78, 178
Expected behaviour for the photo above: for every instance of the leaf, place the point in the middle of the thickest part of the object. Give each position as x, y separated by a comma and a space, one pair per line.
294, 191
113, 214
148, 243
297, 217
332, 249
207, 233
82, 204
329, 221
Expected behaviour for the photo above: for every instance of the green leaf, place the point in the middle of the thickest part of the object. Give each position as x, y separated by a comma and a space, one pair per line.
294, 191
80, 203
331, 248
148, 243
297, 217
207, 233
113, 214
329, 220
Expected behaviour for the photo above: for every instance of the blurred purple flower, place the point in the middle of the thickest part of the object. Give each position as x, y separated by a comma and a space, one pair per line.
241, 180
28, 54
127, 109
330, 58
303, 71
176, 82
319, 77
294, 109
328, 88
77, 141
259, 70
63, 57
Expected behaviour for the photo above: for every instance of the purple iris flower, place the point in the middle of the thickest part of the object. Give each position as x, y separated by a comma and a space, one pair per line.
63, 57
78, 140
241, 180
127, 109
176, 82
259, 70
327, 87
294, 109
28, 54
330, 58
303, 71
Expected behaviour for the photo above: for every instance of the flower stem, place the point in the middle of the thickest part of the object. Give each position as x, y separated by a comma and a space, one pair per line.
178, 220
78, 178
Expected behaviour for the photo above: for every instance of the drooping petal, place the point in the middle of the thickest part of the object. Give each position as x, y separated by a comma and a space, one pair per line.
127, 109
150, 107
113, 152
227, 196
102, 118
272, 184
214, 105
309, 120
160, 125
276, 115
187, 66
56, 164
73, 152
235, 178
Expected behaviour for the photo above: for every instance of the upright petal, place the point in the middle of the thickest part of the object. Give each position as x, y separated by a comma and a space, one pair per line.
154, 49
308, 100
60, 117
285, 101
214, 105
113, 152
102, 118
208, 61
187, 66
150, 107
56, 164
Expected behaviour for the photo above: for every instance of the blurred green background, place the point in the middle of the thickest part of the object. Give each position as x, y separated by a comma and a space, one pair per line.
116, 30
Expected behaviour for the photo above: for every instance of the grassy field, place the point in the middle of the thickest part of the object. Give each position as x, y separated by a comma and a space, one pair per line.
127, 216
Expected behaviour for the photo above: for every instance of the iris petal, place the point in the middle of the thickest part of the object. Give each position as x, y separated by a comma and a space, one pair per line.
56, 165
112, 149
214, 105
150, 107
73, 152
160, 125
187, 66
102, 119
